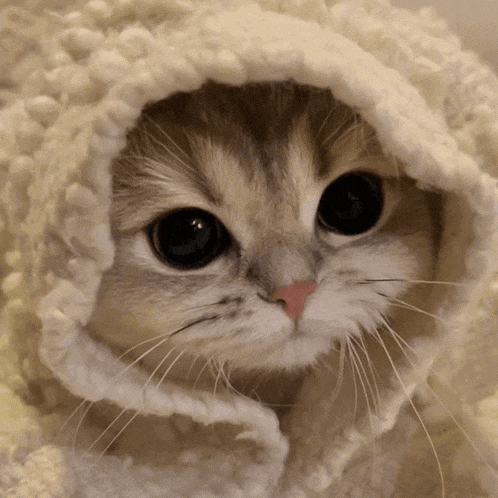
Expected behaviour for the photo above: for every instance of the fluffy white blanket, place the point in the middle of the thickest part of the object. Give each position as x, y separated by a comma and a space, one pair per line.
74, 77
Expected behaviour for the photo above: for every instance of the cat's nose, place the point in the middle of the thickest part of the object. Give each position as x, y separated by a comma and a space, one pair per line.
295, 296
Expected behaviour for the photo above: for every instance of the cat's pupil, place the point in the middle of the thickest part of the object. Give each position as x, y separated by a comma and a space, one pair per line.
352, 204
188, 238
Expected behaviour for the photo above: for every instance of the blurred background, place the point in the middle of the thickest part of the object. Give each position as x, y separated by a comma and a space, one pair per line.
475, 21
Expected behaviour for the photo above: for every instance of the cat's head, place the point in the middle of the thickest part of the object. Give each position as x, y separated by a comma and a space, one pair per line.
234, 207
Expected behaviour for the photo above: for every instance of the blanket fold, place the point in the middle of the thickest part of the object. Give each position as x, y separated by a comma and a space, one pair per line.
75, 77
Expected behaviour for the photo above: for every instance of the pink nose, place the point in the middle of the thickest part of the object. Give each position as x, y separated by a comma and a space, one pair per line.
295, 296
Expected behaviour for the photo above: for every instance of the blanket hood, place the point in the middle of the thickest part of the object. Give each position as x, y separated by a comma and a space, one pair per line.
75, 78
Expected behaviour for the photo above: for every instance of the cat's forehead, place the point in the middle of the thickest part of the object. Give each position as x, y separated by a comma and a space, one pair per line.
265, 111
268, 194
254, 120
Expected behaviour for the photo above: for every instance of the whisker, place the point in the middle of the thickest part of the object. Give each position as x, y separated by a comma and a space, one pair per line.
202, 306
400, 342
325, 121
364, 378
165, 336
127, 157
136, 346
225, 301
219, 367
170, 367
230, 387
398, 337
340, 377
419, 417
116, 378
80, 423
373, 372
361, 370
107, 429
361, 135
137, 360
228, 384
163, 132
226, 378
322, 363
192, 366
262, 378
331, 136
151, 376
410, 281
228, 374
68, 419
117, 436
277, 405
352, 363
411, 307
336, 134
87, 409
167, 150
362, 373
236, 391
207, 363
196, 322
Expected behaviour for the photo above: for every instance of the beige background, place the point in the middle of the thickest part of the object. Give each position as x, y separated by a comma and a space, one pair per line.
475, 21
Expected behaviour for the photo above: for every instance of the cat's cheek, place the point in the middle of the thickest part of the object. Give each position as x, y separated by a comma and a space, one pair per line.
338, 313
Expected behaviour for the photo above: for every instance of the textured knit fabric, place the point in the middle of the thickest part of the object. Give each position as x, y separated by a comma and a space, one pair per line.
74, 78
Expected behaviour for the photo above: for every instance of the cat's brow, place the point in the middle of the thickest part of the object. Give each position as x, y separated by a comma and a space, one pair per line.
137, 206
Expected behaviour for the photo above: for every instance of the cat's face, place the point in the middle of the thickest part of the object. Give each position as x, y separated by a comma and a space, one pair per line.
224, 197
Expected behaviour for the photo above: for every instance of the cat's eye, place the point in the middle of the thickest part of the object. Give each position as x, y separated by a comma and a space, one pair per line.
188, 238
352, 204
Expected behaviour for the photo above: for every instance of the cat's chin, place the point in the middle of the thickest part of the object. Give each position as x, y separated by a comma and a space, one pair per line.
293, 354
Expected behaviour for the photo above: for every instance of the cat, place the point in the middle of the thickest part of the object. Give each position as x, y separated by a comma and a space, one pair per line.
258, 229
